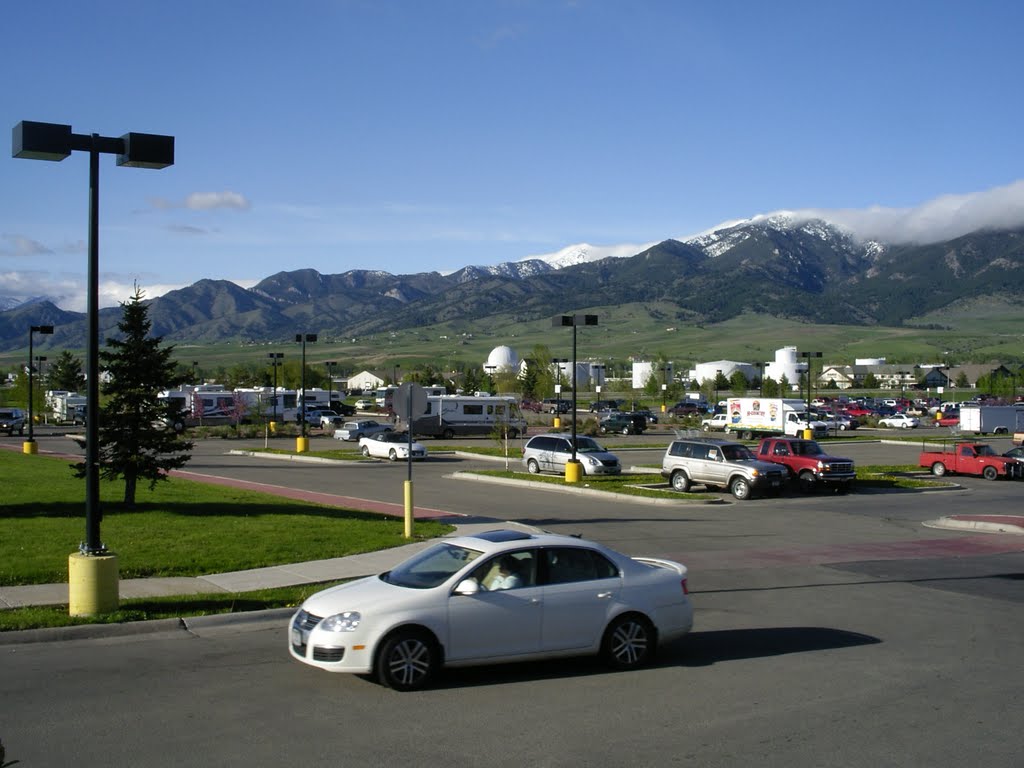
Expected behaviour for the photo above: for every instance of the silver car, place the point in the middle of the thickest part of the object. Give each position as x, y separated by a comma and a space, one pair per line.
717, 463
550, 452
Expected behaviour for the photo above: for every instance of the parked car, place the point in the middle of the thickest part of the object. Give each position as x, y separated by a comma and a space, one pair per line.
485, 598
12, 419
1015, 453
351, 431
808, 465
557, 405
899, 421
526, 404
647, 413
716, 463
948, 419
717, 423
330, 420
685, 409
623, 423
550, 452
604, 405
366, 404
393, 446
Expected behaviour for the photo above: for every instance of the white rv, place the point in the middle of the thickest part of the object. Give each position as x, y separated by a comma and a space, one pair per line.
451, 416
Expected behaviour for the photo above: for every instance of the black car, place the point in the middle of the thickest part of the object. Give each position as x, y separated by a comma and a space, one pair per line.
604, 405
623, 423
554, 405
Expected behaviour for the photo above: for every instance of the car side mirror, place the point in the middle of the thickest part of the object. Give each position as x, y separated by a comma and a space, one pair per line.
467, 587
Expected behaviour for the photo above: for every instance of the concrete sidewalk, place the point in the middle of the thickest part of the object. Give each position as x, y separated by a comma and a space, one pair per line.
313, 572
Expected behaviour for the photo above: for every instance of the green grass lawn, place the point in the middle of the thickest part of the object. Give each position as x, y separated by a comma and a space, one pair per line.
182, 528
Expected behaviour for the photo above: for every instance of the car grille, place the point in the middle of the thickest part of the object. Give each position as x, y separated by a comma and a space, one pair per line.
773, 475
305, 620
328, 654
844, 467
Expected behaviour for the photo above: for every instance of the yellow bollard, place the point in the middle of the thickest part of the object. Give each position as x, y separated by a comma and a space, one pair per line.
408, 509
92, 584
301, 444
557, 424
808, 434
573, 471
30, 447
273, 427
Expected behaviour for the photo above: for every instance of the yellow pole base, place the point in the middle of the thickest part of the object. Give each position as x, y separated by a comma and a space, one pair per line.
408, 509
29, 446
573, 471
92, 584
808, 434
301, 444
273, 427
557, 424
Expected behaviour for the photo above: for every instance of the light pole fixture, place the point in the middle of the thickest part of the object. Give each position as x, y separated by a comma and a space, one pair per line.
275, 360
394, 373
664, 385
573, 475
807, 402
557, 362
329, 365
30, 445
718, 375
52, 141
302, 338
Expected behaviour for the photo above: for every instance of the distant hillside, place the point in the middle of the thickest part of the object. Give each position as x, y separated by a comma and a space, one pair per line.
809, 271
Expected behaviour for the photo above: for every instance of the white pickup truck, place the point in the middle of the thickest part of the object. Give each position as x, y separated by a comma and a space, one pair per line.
716, 423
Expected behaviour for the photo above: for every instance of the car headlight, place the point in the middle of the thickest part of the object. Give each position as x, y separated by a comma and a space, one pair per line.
591, 461
341, 622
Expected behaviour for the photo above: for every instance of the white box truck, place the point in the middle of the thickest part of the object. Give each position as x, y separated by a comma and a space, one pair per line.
751, 417
992, 419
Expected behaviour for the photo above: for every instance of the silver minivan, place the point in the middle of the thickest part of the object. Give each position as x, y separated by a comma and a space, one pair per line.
550, 452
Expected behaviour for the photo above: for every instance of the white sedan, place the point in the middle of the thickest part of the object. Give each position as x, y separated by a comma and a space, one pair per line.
392, 446
899, 421
498, 596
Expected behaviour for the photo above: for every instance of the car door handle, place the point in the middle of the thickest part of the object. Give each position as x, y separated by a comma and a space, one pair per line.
604, 595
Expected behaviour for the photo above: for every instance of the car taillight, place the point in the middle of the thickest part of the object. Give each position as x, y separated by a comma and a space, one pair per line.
686, 590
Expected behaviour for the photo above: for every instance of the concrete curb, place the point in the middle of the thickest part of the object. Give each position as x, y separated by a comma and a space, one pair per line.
984, 526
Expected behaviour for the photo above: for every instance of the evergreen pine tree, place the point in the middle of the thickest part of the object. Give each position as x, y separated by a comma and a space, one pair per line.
66, 373
134, 443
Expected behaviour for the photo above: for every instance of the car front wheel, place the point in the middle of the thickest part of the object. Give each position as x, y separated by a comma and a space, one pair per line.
365, 451
407, 661
393, 455
740, 488
990, 473
628, 642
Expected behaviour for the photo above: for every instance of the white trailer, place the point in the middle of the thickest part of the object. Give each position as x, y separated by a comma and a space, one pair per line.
451, 416
992, 419
67, 406
751, 417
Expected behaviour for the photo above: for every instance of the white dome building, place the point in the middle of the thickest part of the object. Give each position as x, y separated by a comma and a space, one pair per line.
502, 358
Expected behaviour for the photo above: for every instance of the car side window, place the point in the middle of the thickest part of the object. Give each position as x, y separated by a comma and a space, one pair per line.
511, 570
565, 565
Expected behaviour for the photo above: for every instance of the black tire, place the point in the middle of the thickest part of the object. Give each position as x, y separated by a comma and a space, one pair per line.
938, 469
990, 473
807, 481
680, 482
740, 489
533, 467
625, 430
365, 451
393, 455
448, 434
407, 660
513, 433
629, 642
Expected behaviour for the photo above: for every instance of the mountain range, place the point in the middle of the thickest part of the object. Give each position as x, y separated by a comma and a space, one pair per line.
808, 270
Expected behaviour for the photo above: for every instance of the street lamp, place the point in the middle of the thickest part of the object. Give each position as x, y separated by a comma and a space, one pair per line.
572, 467
329, 364
92, 577
760, 377
807, 403
664, 385
29, 446
194, 364
302, 445
275, 360
557, 361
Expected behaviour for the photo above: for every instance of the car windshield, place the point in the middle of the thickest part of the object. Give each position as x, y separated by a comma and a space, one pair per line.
807, 449
431, 567
587, 445
736, 453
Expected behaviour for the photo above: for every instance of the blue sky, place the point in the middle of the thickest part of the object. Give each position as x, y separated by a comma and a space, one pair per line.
415, 135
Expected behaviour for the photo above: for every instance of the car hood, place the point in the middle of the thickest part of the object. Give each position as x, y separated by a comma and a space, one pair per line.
363, 595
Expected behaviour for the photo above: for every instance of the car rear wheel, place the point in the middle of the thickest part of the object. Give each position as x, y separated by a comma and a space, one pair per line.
990, 473
448, 434
407, 660
740, 488
625, 430
365, 451
629, 642
533, 467
938, 469
680, 482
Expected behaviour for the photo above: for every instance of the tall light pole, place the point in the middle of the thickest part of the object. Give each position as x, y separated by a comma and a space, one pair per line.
275, 360
302, 445
760, 378
557, 362
572, 467
807, 402
94, 591
329, 365
194, 364
29, 446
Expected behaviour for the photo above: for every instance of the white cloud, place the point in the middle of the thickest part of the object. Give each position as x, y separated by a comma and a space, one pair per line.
205, 201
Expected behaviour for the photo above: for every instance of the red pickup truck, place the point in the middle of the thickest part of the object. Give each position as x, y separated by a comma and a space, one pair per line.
808, 464
971, 459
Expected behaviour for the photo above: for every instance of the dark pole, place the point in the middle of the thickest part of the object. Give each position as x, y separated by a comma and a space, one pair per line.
330, 373
574, 391
304, 337
93, 545
274, 358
